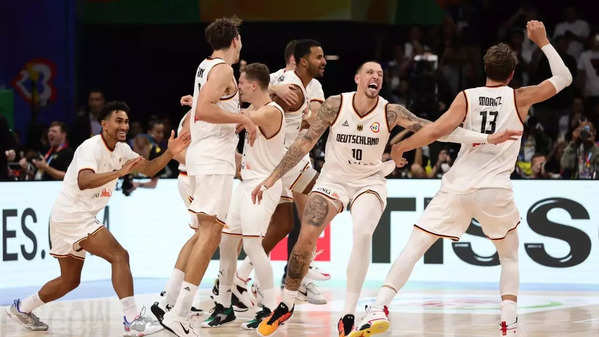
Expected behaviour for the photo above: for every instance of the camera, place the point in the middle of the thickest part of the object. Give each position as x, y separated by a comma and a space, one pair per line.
127, 185
585, 133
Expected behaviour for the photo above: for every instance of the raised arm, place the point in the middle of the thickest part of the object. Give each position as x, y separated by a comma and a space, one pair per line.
561, 76
302, 145
175, 146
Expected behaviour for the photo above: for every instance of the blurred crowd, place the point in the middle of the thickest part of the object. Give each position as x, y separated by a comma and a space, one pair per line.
429, 67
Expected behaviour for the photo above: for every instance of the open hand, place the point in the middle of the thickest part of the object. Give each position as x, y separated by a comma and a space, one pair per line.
504, 136
288, 95
129, 165
176, 145
259, 190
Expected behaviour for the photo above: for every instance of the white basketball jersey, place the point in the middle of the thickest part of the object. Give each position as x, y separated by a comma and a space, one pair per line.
294, 118
356, 143
260, 159
489, 110
179, 128
212, 148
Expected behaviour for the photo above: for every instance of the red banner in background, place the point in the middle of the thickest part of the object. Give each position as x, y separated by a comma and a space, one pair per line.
323, 248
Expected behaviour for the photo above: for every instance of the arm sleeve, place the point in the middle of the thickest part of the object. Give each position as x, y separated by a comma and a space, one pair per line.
561, 74
464, 136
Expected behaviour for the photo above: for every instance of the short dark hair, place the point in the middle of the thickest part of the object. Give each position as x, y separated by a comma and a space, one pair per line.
221, 32
289, 50
112, 106
303, 48
499, 61
61, 125
96, 90
153, 122
258, 72
368, 61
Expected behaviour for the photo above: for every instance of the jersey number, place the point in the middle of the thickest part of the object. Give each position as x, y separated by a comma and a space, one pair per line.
483, 125
357, 154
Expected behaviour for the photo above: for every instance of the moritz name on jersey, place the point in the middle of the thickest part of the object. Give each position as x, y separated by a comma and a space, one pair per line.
356, 139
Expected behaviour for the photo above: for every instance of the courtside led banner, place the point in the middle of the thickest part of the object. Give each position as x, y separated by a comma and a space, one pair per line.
559, 236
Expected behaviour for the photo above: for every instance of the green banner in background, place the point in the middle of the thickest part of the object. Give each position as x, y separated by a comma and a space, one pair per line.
7, 106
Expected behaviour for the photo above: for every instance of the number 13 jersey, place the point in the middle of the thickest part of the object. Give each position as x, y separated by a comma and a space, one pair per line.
488, 110
356, 143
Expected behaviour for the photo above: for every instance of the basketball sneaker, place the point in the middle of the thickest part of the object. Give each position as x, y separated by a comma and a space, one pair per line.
375, 321
159, 311
309, 292
508, 329
346, 325
240, 290
270, 324
220, 316
253, 323
315, 274
142, 325
214, 294
180, 326
26, 319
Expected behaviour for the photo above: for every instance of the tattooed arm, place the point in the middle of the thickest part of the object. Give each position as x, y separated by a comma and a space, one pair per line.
427, 132
303, 144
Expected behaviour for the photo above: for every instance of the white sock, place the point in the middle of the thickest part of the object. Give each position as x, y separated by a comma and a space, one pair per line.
185, 299
172, 289
269, 298
244, 271
385, 296
224, 294
508, 311
129, 308
30, 303
351, 300
289, 297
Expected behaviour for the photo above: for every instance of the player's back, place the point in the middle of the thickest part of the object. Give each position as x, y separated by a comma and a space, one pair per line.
212, 148
489, 110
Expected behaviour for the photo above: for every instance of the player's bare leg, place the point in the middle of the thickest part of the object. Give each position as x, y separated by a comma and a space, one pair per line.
318, 213
70, 275
507, 248
376, 319
103, 244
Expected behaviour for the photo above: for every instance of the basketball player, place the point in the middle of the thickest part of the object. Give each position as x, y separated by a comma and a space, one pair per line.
301, 76
210, 160
478, 185
88, 184
360, 123
247, 222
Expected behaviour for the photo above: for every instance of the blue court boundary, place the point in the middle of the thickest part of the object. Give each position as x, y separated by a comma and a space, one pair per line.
103, 288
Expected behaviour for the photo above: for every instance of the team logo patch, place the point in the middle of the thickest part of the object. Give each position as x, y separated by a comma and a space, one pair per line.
360, 127
375, 127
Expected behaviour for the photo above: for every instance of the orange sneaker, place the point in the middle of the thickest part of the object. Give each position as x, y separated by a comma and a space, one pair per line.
270, 324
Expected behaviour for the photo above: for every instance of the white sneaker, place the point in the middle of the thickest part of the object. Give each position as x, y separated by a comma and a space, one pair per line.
26, 319
241, 290
375, 321
508, 329
309, 292
179, 326
314, 273
142, 325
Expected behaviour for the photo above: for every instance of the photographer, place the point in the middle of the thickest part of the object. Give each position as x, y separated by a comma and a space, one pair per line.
7, 149
581, 157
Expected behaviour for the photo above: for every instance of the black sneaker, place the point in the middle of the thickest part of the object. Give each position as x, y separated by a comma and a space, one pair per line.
196, 311
237, 304
346, 325
158, 311
253, 323
220, 315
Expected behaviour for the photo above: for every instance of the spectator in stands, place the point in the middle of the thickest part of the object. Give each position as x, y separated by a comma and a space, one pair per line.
143, 146
553, 167
581, 157
525, 13
575, 29
86, 122
534, 140
537, 164
7, 148
588, 69
53, 165
415, 44
442, 165
156, 132
396, 74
